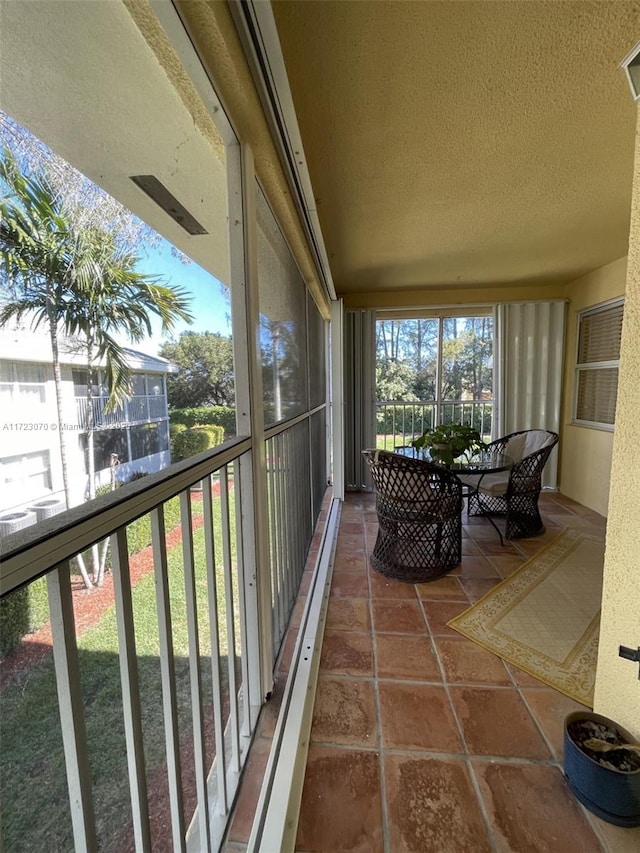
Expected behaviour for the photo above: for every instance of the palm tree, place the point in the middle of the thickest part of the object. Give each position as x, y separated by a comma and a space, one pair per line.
110, 298
77, 283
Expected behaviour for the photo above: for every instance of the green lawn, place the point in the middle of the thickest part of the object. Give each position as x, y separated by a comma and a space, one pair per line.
389, 441
35, 812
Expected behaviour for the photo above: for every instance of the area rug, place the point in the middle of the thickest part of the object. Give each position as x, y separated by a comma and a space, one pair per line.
545, 617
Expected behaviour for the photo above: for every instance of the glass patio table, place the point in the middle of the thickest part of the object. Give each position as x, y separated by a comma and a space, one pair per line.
483, 462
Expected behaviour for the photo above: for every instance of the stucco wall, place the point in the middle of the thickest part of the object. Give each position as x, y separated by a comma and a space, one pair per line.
586, 483
617, 686
430, 296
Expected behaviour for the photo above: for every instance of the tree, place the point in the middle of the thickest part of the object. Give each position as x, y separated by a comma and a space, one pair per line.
436, 360
466, 353
79, 283
394, 381
205, 370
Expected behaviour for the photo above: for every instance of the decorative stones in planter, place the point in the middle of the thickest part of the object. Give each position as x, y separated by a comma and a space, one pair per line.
605, 780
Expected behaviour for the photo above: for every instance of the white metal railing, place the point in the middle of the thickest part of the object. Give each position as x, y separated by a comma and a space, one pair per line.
291, 519
100, 417
235, 696
137, 409
398, 422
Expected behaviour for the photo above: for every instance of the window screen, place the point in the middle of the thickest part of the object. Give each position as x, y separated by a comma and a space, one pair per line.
283, 322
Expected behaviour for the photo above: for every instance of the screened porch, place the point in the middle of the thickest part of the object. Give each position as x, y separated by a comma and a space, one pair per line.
242, 680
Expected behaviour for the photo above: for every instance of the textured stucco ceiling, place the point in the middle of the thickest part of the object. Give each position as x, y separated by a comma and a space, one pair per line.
464, 143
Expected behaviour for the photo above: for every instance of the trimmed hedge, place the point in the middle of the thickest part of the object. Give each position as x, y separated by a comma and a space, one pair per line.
175, 429
21, 612
14, 620
174, 432
409, 419
139, 531
223, 416
195, 440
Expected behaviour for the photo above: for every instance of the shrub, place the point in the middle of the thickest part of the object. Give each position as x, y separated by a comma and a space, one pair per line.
223, 416
410, 419
138, 535
174, 432
195, 440
22, 612
14, 620
137, 475
139, 531
106, 490
175, 428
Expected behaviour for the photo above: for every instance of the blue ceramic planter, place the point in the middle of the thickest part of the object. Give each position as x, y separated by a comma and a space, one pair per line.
612, 795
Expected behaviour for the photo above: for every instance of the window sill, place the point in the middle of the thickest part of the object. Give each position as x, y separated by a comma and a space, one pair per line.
592, 425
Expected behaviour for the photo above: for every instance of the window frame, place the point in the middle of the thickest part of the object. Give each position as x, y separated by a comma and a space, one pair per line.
440, 315
581, 367
29, 476
16, 384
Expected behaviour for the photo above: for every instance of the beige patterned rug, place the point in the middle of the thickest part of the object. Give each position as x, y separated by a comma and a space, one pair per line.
545, 617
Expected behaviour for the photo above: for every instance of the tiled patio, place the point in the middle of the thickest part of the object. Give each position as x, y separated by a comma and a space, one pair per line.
421, 739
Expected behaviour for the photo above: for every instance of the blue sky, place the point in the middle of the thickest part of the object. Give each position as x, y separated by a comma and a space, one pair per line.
211, 309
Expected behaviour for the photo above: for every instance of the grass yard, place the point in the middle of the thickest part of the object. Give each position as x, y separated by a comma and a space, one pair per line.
390, 441
35, 812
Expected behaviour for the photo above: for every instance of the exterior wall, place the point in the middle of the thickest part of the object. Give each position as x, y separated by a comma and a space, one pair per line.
430, 297
34, 429
617, 692
586, 483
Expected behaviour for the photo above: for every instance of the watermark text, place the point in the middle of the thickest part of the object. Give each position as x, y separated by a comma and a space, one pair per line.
39, 426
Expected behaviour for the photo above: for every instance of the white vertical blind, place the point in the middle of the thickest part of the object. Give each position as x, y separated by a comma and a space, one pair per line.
531, 350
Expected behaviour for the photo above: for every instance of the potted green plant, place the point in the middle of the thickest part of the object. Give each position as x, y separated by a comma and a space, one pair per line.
448, 441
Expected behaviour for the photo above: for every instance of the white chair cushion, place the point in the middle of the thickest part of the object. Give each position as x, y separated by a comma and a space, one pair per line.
468, 480
536, 439
490, 484
494, 484
516, 447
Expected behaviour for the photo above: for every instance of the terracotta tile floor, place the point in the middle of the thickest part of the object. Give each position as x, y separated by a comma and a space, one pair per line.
422, 740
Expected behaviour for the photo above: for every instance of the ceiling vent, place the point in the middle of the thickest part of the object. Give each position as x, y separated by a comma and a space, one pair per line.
169, 203
631, 65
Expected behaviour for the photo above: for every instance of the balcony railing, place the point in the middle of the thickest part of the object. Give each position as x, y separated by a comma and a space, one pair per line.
166, 706
188, 670
289, 531
137, 409
397, 422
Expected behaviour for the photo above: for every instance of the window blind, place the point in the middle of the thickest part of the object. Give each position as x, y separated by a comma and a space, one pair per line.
597, 392
599, 336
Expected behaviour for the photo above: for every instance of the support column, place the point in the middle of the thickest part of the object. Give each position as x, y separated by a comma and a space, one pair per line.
617, 693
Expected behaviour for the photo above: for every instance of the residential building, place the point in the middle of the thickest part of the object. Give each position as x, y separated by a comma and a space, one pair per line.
132, 438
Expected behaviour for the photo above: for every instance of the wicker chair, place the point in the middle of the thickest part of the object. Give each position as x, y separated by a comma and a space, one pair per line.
419, 508
514, 493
